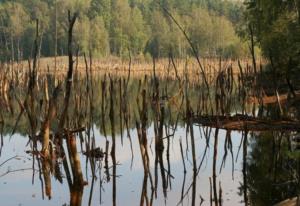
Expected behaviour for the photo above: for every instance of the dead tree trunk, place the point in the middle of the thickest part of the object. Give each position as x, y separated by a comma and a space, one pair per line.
69, 78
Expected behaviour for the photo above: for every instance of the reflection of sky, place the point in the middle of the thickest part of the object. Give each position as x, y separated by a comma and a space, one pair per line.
16, 188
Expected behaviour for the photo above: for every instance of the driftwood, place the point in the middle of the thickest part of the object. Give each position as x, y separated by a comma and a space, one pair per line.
273, 99
290, 202
244, 122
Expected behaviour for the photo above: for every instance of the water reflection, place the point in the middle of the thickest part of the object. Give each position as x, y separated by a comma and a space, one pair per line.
272, 169
133, 142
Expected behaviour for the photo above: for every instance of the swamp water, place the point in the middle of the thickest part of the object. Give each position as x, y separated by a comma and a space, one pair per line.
136, 146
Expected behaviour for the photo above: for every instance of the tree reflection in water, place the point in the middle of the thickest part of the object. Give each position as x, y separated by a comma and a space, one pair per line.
272, 168
170, 159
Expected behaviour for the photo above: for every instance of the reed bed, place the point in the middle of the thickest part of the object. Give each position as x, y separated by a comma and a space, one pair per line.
164, 68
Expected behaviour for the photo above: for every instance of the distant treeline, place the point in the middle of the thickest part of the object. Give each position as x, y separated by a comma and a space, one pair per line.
122, 27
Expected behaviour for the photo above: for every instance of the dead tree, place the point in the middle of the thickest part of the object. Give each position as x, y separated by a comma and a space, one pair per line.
69, 78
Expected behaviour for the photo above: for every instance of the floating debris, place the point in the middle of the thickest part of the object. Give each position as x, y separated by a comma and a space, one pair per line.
95, 153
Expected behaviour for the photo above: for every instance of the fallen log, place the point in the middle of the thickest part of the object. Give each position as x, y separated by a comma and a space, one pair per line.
244, 122
290, 202
272, 99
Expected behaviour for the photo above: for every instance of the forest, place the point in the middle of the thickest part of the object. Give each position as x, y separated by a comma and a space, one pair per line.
118, 27
216, 28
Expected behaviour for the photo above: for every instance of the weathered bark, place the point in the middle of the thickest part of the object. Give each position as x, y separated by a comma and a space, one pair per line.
69, 79
45, 131
47, 177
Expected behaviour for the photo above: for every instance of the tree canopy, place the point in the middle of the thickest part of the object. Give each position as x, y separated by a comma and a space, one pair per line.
275, 26
117, 27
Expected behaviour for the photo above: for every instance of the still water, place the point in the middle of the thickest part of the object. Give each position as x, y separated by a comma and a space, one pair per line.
255, 168
17, 188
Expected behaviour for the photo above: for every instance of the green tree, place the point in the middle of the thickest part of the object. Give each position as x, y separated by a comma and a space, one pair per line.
140, 26
101, 8
158, 42
91, 36
137, 32
14, 20
200, 28
119, 39
99, 39
275, 27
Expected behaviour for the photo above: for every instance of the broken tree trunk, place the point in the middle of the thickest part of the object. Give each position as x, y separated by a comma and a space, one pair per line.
244, 122
70, 71
273, 99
